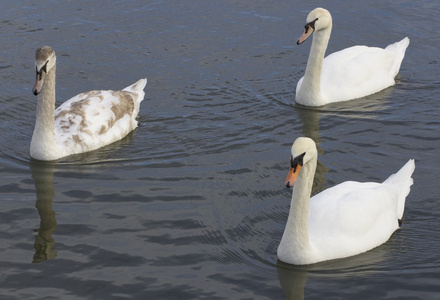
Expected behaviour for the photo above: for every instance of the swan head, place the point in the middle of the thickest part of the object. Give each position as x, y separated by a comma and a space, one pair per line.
45, 60
303, 150
318, 19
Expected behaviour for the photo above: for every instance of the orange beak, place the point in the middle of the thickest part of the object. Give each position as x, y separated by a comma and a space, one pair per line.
307, 32
292, 176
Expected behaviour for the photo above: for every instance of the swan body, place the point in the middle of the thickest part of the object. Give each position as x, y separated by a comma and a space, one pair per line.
348, 74
347, 219
83, 123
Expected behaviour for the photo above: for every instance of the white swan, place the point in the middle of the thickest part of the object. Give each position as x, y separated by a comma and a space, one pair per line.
83, 123
345, 220
348, 74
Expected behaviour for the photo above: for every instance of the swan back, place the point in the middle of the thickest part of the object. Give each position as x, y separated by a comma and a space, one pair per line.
91, 120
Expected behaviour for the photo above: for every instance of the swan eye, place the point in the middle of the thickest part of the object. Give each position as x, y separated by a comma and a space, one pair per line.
43, 69
310, 24
295, 161
306, 28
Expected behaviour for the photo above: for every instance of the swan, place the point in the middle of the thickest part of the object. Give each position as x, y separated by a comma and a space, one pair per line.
348, 74
347, 219
83, 123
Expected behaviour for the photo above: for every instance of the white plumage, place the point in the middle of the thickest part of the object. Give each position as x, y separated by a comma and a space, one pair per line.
83, 123
348, 74
347, 219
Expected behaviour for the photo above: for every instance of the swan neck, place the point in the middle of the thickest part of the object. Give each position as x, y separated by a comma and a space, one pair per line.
43, 138
295, 246
299, 207
312, 77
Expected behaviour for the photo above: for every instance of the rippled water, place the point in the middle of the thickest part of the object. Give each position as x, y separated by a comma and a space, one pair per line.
191, 205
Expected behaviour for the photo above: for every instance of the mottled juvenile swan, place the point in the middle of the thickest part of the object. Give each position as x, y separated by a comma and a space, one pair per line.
345, 220
348, 74
83, 123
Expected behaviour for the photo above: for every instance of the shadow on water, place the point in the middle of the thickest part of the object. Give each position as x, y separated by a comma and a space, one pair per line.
42, 174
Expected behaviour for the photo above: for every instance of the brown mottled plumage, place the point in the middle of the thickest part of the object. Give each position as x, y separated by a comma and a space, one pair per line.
83, 123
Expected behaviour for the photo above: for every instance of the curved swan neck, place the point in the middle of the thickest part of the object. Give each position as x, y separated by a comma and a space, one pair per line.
312, 76
299, 206
43, 138
295, 245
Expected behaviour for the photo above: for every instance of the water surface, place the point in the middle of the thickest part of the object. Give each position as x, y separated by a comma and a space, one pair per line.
191, 205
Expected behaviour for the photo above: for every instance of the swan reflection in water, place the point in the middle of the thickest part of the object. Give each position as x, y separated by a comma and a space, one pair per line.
310, 120
42, 174
369, 107
293, 279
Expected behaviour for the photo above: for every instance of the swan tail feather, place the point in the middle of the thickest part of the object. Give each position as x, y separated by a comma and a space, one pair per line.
404, 181
138, 88
402, 45
398, 48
